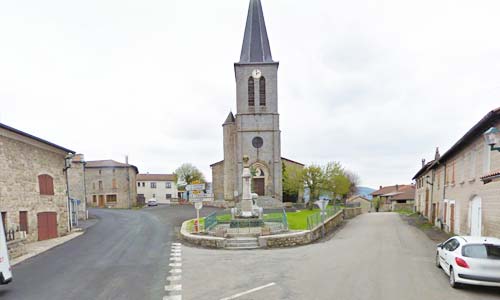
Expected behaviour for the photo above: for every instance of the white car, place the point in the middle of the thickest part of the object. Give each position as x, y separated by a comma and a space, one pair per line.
5, 270
470, 260
152, 202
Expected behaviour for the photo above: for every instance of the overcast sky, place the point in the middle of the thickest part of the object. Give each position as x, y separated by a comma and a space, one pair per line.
376, 85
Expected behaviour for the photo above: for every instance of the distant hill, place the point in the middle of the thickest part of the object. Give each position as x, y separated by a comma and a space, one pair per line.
365, 191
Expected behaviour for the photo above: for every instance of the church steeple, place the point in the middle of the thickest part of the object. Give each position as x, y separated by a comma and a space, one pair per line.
256, 47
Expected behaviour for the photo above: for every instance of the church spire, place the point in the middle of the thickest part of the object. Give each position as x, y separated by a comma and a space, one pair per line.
256, 47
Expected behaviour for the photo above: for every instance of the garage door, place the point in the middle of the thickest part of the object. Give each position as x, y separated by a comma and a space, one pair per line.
47, 225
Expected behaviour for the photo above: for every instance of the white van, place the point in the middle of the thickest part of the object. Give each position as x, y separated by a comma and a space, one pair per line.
5, 270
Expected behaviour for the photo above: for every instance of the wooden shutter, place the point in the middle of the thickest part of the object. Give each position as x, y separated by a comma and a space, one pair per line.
46, 184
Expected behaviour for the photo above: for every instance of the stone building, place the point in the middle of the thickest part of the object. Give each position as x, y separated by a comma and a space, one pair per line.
161, 187
460, 191
254, 130
32, 185
393, 195
111, 184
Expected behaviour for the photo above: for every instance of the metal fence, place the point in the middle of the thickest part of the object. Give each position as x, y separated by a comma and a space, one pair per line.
319, 218
276, 223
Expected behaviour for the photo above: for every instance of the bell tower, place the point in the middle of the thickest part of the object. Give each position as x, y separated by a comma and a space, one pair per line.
257, 120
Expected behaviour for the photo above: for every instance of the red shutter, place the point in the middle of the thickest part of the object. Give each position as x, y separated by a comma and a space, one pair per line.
46, 184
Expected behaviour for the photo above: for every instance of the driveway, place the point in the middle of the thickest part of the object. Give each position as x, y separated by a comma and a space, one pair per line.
375, 256
124, 256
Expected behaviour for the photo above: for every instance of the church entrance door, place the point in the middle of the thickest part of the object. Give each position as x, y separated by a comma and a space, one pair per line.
258, 186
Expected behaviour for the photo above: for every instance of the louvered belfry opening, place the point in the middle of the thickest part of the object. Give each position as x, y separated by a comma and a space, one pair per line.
251, 92
262, 91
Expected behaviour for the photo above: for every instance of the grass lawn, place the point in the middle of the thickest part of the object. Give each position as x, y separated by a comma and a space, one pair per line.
405, 212
296, 220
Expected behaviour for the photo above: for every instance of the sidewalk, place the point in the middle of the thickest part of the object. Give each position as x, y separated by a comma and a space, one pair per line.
35, 248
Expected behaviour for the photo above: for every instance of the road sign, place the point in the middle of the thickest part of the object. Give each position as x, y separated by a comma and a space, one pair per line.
195, 187
198, 205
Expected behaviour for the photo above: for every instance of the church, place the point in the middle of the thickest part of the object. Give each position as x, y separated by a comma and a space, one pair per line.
254, 131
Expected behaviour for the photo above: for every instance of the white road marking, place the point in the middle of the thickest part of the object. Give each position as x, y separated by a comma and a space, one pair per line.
176, 254
175, 258
173, 288
177, 244
176, 271
175, 297
249, 291
176, 250
174, 278
175, 265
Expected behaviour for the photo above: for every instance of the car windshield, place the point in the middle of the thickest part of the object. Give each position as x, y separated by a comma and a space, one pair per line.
482, 251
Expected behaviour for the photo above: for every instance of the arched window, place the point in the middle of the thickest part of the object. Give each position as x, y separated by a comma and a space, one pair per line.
251, 92
262, 91
46, 184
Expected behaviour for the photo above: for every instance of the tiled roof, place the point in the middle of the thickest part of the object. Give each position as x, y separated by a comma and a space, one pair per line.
488, 178
35, 138
390, 189
156, 177
292, 161
109, 163
407, 193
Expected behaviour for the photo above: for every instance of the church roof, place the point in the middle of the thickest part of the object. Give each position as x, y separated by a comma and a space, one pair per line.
230, 118
256, 47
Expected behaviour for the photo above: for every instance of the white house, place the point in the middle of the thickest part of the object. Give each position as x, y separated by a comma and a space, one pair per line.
161, 187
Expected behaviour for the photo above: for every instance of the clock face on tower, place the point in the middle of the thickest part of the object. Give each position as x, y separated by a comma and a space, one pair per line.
256, 74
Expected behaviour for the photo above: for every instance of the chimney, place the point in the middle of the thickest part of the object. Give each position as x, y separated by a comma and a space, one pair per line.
126, 159
380, 187
397, 187
437, 155
423, 162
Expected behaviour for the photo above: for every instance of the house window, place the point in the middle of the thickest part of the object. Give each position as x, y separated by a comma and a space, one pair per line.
251, 91
143, 184
46, 184
100, 185
111, 198
138, 184
154, 196
168, 196
114, 171
94, 198
113, 183
23, 221
168, 185
100, 172
153, 185
453, 173
262, 91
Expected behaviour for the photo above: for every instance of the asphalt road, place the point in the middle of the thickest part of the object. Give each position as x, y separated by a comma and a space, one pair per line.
124, 255
375, 256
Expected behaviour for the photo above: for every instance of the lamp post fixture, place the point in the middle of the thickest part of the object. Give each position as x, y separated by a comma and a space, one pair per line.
492, 138
427, 180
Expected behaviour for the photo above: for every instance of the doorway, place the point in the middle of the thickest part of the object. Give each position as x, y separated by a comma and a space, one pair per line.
101, 201
475, 216
47, 225
259, 186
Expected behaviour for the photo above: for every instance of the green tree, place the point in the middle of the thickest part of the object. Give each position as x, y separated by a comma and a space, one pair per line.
376, 202
293, 179
188, 173
314, 179
335, 182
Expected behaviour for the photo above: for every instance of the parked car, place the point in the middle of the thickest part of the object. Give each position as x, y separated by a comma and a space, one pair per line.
470, 260
5, 269
152, 202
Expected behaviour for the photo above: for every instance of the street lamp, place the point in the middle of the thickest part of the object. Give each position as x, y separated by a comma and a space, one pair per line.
492, 137
67, 165
427, 180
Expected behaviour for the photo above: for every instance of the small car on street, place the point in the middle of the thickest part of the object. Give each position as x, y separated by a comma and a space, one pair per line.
470, 260
152, 202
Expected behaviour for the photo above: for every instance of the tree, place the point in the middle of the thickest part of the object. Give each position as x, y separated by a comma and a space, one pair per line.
188, 173
354, 181
293, 179
335, 180
376, 202
313, 177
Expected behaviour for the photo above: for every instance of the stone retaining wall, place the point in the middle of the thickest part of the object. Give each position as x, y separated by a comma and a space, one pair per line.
350, 213
16, 248
290, 239
302, 237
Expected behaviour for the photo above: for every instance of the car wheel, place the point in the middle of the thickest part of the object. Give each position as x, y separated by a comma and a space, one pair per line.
453, 283
438, 265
